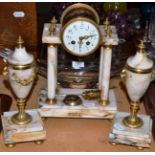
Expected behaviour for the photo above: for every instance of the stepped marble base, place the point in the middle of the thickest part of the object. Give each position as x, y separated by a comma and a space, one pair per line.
13, 133
140, 137
88, 109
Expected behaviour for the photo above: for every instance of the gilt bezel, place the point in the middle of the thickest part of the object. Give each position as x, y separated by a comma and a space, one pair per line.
81, 19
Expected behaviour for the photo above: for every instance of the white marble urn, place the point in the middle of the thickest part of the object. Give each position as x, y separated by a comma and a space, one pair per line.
21, 71
138, 74
21, 75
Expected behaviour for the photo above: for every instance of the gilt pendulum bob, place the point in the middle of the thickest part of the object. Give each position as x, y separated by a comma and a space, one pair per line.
72, 100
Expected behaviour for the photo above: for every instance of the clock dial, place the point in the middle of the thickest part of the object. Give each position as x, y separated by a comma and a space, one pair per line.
81, 37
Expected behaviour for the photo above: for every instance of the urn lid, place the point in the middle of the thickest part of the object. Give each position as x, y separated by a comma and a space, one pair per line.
20, 56
140, 59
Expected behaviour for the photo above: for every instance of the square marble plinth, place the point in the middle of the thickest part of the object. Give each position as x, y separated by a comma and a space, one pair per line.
131, 136
12, 133
88, 109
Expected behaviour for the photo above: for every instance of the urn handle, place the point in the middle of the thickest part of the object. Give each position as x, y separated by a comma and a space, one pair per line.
123, 75
5, 71
25, 82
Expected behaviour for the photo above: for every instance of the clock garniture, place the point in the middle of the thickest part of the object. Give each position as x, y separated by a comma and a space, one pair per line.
80, 35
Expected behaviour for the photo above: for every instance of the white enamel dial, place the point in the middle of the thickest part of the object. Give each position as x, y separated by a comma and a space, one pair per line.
81, 37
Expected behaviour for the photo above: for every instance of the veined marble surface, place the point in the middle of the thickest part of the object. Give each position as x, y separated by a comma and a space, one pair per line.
47, 38
20, 57
140, 61
101, 66
89, 109
52, 72
20, 133
20, 90
35, 125
125, 135
137, 84
113, 40
104, 72
106, 68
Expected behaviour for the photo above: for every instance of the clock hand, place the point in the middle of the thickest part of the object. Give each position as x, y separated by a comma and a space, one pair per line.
80, 42
86, 37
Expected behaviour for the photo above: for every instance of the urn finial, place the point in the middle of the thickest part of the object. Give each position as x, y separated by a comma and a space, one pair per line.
141, 46
20, 42
52, 28
107, 24
108, 31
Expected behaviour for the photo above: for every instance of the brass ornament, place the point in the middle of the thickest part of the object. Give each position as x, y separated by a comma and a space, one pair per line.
141, 46
51, 101
10, 145
38, 142
20, 42
140, 148
52, 45
78, 6
5, 71
104, 102
21, 117
21, 67
107, 34
74, 114
25, 82
81, 19
79, 12
133, 121
108, 47
106, 23
52, 28
91, 94
139, 71
72, 100
123, 76
108, 31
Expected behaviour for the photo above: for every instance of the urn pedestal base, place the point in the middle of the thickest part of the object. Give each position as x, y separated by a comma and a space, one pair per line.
140, 137
31, 132
88, 108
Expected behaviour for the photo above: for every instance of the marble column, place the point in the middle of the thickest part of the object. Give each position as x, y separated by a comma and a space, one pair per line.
106, 75
52, 72
101, 67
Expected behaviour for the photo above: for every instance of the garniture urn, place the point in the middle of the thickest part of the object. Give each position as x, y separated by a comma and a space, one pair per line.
21, 74
137, 75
